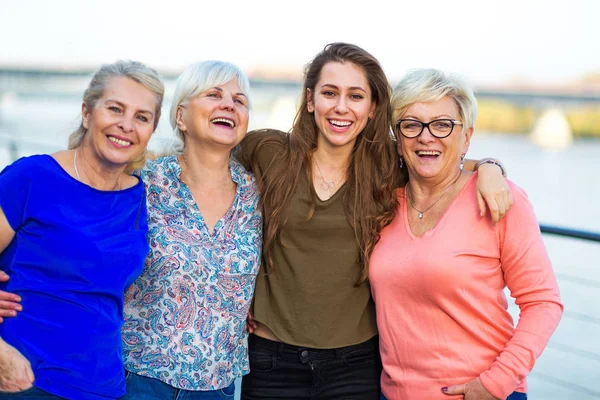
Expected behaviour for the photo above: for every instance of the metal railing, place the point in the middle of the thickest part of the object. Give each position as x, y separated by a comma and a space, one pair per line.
570, 232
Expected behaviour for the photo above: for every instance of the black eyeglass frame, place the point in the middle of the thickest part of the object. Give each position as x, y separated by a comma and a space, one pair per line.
426, 125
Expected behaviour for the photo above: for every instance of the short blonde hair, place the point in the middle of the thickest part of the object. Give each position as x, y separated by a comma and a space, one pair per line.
429, 85
137, 72
200, 77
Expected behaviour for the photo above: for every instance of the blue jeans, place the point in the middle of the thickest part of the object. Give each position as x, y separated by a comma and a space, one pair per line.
30, 394
143, 388
513, 396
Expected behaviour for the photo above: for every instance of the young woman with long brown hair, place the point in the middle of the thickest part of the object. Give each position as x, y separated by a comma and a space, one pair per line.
327, 191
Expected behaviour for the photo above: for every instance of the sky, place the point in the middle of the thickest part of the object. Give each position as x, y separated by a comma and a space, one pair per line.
489, 42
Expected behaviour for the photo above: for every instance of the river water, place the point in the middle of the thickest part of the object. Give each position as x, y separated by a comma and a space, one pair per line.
563, 187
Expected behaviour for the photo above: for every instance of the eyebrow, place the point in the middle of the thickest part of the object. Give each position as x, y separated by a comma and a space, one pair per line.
237, 94
441, 116
350, 88
124, 106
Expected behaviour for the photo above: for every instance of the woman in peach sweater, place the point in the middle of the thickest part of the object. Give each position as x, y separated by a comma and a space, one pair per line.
439, 271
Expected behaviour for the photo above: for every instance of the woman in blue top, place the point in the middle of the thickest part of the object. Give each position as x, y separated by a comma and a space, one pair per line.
73, 238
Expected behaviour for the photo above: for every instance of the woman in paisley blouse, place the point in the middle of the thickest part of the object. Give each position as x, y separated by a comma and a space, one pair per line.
184, 332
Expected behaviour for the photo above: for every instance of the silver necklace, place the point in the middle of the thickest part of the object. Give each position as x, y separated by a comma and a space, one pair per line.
410, 202
75, 165
328, 186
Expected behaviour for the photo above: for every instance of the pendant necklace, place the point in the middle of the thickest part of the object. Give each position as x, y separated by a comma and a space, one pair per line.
410, 202
325, 185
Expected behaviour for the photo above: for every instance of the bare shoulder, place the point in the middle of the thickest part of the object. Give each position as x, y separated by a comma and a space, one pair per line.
129, 181
64, 158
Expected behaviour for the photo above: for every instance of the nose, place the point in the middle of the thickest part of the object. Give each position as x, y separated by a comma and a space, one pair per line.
426, 136
341, 107
126, 123
227, 103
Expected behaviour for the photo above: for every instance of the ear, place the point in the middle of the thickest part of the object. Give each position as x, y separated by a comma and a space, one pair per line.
179, 119
310, 105
399, 147
85, 116
372, 110
467, 142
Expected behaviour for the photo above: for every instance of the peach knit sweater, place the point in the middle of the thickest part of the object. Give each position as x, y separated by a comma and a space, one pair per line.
441, 309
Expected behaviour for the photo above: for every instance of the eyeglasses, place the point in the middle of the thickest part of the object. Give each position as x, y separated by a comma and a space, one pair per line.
439, 128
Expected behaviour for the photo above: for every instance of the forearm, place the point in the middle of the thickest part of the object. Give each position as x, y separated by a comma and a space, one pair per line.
518, 358
6, 232
475, 165
469, 164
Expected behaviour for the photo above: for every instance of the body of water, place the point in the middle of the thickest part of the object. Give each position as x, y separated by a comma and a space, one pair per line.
563, 187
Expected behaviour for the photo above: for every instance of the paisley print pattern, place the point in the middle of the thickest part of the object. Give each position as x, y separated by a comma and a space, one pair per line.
185, 315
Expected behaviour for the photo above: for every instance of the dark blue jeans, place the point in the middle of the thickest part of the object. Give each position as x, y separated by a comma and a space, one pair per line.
30, 394
143, 388
285, 372
513, 396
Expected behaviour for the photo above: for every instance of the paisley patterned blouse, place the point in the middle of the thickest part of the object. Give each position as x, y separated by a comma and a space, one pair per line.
185, 315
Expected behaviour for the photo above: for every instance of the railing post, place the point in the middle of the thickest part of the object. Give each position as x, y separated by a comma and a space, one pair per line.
13, 151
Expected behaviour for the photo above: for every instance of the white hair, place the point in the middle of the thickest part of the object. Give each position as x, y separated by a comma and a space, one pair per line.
200, 77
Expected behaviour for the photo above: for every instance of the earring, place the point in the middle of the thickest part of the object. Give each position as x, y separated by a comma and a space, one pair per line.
401, 162
462, 164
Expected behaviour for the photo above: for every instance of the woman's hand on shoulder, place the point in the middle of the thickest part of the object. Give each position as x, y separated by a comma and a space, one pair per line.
472, 390
15, 370
493, 191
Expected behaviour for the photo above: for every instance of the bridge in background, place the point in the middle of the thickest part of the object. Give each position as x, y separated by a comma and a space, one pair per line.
65, 82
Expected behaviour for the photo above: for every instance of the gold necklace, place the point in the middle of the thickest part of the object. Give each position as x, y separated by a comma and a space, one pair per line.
410, 201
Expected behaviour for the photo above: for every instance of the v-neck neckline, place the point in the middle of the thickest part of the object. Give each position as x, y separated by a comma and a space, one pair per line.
192, 201
442, 218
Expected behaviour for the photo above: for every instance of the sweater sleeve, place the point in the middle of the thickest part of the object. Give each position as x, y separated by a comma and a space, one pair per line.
529, 276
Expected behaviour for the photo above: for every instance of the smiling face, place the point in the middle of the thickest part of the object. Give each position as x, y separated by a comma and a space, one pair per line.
427, 156
341, 103
121, 123
217, 116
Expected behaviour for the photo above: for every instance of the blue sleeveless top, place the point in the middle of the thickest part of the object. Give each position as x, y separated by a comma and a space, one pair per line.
75, 251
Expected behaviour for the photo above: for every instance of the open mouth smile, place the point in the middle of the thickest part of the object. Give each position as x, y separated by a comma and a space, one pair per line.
223, 122
120, 142
428, 153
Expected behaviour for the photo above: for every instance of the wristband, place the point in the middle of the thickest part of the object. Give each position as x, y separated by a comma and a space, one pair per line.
491, 161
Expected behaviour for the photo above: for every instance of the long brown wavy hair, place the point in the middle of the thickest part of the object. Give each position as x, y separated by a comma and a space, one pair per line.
372, 174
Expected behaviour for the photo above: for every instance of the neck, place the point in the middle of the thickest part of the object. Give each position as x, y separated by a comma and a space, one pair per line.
332, 159
200, 166
422, 188
94, 172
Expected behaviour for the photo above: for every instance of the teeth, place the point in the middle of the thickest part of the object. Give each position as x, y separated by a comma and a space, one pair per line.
428, 153
340, 123
119, 141
225, 120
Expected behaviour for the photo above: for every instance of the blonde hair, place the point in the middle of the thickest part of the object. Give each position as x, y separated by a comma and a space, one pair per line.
134, 70
429, 85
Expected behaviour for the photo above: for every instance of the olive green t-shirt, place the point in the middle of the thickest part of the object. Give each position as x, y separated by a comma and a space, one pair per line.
309, 296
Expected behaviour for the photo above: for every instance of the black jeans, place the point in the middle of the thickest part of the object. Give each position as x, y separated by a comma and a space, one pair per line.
285, 372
